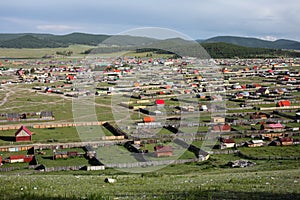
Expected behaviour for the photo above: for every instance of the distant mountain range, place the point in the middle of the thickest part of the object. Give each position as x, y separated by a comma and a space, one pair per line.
254, 42
216, 47
34, 40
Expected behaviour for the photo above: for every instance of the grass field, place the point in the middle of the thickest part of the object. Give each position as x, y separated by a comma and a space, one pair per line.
207, 180
38, 53
272, 151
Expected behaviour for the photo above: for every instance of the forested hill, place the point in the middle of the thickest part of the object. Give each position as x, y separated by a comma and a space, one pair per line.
225, 50
255, 42
215, 49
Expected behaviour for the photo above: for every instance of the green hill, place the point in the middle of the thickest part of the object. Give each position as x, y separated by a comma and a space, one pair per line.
254, 42
225, 50
29, 41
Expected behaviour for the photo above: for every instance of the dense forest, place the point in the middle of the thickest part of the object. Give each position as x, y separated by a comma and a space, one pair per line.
225, 50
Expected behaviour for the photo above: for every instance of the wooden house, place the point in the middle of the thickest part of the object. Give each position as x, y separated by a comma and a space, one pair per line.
263, 90
160, 102
13, 116
59, 155
161, 151
221, 128
218, 119
255, 143
272, 127
47, 115
19, 158
284, 103
23, 134
227, 143
286, 141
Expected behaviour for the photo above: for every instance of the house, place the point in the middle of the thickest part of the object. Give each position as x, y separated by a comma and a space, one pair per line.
272, 127
263, 90
160, 102
19, 158
259, 115
59, 155
161, 151
286, 141
203, 108
227, 143
47, 115
148, 119
23, 134
218, 119
13, 116
255, 143
284, 103
221, 128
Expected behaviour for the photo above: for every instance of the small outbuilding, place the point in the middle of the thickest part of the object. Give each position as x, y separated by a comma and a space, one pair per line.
23, 135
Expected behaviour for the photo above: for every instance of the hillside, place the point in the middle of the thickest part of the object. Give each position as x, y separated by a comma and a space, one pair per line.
225, 50
218, 47
47, 40
254, 42
29, 41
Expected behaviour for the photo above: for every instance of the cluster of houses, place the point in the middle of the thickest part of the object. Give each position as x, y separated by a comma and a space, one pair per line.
175, 88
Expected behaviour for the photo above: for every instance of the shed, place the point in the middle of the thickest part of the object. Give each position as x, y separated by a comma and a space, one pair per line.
23, 134
161, 151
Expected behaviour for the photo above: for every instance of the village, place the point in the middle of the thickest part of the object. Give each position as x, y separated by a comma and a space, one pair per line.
167, 110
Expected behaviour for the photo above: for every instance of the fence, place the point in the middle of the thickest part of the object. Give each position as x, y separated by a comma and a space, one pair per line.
61, 145
53, 125
151, 163
273, 157
63, 168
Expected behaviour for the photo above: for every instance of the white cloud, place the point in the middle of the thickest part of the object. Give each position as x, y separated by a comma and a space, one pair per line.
56, 28
269, 38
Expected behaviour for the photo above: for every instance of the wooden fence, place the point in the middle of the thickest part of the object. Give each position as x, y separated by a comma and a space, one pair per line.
151, 163
273, 157
53, 125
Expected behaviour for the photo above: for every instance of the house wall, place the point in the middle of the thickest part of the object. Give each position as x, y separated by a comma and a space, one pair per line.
287, 143
161, 154
23, 138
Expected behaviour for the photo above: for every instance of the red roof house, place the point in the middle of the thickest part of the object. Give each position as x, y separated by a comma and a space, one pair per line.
163, 151
227, 143
160, 102
286, 141
221, 128
284, 103
23, 134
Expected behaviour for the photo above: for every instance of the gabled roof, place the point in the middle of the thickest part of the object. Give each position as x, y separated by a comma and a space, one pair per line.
230, 140
284, 103
23, 128
287, 139
163, 148
276, 125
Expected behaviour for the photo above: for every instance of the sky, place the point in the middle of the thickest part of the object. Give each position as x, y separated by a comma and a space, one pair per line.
197, 19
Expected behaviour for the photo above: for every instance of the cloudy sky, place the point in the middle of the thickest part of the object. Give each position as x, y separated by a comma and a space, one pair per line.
198, 19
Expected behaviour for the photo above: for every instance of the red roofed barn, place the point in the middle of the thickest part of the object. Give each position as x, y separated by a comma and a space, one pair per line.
23, 134
284, 103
